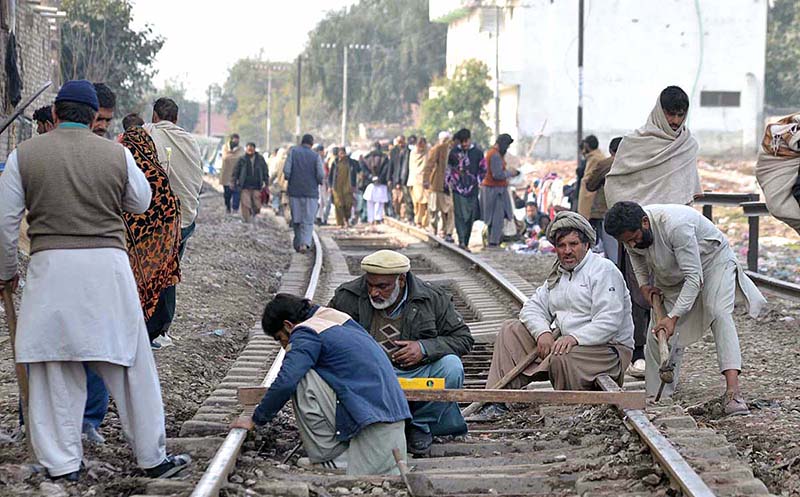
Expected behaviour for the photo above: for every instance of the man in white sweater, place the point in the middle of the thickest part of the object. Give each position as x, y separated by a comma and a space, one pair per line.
579, 320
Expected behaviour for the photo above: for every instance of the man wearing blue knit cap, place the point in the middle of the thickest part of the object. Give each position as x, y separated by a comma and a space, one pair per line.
80, 305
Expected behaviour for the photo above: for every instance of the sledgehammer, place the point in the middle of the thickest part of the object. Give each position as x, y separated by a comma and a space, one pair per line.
666, 371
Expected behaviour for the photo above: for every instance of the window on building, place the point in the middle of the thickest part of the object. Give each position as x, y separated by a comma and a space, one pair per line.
720, 98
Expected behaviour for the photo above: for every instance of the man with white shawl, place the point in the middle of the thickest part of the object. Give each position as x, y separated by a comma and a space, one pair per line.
689, 262
657, 163
579, 321
776, 169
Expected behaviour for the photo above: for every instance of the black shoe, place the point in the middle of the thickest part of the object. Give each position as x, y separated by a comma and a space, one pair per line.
171, 466
448, 238
70, 477
418, 442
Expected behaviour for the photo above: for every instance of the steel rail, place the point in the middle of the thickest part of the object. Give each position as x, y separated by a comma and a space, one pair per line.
224, 459
663, 451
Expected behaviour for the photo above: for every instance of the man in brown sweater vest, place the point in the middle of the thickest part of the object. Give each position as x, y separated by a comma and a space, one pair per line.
80, 306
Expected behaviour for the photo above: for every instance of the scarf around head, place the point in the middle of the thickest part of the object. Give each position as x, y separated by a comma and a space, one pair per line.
655, 165
567, 220
776, 169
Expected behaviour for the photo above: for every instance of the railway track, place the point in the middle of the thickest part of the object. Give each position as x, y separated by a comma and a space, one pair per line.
543, 450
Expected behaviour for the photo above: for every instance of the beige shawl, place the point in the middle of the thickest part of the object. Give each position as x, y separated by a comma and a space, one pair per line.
777, 168
655, 165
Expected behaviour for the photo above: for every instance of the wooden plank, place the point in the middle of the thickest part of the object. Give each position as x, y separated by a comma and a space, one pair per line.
249, 396
631, 400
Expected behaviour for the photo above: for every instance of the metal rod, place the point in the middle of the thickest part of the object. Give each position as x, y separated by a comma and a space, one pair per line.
208, 113
344, 99
580, 78
297, 113
497, 72
752, 243
269, 110
668, 457
224, 460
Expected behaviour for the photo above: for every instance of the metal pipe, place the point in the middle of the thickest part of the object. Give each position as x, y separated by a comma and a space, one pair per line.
297, 114
224, 459
580, 78
497, 72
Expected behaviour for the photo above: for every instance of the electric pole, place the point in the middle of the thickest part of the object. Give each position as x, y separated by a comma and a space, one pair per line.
497, 72
208, 113
343, 143
269, 108
580, 78
346, 48
297, 114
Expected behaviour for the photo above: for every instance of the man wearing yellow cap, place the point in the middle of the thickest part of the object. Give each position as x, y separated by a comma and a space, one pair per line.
433, 336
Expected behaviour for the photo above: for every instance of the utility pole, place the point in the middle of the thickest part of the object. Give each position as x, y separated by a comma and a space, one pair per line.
580, 78
497, 71
343, 143
269, 108
208, 113
346, 50
297, 114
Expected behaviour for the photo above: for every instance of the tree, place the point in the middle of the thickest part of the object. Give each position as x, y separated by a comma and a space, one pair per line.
782, 82
461, 103
406, 52
98, 44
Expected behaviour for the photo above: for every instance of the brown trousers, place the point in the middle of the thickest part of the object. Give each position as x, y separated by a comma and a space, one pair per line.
342, 209
251, 203
576, 370
420, 199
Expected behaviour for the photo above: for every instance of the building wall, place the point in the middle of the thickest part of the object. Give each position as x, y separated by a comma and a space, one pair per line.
37, 49
632, 50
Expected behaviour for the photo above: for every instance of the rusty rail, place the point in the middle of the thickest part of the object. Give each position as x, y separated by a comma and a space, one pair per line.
663, 451
224, 460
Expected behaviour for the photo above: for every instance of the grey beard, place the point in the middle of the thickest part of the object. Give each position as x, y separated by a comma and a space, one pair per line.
388, 302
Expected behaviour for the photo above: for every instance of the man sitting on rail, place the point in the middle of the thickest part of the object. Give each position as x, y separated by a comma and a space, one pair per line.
578, 321
349, 407
696, 271
433, 336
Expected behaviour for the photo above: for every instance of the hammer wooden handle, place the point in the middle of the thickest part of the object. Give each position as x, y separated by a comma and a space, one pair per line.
663, 345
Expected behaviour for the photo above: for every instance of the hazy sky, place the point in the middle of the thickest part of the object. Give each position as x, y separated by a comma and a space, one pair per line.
204, 39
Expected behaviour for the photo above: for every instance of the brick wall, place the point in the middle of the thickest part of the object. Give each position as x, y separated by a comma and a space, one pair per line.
38, 49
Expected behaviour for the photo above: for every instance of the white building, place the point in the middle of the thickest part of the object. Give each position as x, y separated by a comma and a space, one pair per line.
713, 49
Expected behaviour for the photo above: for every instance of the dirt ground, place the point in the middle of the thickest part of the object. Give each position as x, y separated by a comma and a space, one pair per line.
767, 438
229, 271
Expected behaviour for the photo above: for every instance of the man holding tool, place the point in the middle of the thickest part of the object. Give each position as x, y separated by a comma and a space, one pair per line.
697, 273
575, 328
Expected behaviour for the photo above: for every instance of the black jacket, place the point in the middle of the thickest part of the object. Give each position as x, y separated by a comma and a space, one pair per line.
399, 162
374, 163
430, 316
251, 175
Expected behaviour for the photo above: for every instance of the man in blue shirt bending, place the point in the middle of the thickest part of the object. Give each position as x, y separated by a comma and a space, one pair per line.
349, 406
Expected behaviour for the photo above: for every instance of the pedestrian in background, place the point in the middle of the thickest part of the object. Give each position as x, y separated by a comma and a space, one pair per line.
249, 177
304, 174
231, 153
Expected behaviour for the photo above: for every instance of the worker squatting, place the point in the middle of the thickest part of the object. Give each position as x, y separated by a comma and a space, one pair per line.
349, 407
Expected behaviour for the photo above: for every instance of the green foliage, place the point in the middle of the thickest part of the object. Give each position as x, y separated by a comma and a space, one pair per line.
406, 52
98, 44
461, 103
782, 85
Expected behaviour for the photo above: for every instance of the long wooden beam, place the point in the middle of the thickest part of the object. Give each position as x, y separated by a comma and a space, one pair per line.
622, 399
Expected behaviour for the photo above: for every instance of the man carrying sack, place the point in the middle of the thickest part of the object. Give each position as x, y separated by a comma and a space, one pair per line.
776, 170
578, 323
